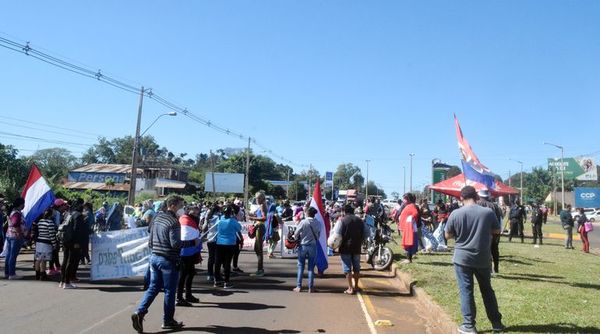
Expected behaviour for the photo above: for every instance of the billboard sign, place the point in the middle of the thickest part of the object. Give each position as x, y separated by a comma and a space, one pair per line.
580, 168
224, 183
328, 179
587, 197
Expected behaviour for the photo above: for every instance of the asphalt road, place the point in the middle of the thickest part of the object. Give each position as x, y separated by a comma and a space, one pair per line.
255, 305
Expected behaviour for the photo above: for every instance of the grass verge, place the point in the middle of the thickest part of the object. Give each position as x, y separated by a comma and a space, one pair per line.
539, 290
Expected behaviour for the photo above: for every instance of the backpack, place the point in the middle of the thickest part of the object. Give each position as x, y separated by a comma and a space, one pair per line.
252, 231
65, 231
515, 212
290, 241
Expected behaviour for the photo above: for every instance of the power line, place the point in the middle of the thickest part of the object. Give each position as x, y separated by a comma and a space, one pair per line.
109, 80
46, 130
54, 141
51, 125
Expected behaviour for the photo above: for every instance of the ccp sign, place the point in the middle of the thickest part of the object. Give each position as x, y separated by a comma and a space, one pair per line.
587, 197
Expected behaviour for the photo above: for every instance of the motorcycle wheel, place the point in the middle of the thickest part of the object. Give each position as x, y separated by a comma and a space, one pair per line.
384, 261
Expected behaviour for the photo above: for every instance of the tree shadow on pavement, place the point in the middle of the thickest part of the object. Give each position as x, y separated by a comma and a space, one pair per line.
240, 306
233, 330
553, 328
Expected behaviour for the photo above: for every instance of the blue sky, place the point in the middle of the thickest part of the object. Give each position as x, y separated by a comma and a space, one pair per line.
318, 82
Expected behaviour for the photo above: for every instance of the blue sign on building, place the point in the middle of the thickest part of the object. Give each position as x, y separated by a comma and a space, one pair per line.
96, 177
587, 197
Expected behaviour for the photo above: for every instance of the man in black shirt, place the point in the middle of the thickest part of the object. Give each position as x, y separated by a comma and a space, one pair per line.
352, 230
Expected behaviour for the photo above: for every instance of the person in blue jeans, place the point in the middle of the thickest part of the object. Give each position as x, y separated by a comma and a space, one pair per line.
15, 237
165, 243
307, 233
473, 226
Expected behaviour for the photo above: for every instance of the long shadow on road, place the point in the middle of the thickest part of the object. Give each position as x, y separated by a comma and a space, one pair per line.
234, 330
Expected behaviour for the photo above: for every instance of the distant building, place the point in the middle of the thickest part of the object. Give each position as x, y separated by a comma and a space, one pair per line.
115, 179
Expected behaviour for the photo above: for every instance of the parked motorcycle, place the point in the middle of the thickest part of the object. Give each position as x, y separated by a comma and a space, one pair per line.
379, 256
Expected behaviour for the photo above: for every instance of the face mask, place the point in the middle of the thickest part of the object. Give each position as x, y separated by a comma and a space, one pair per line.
180, 212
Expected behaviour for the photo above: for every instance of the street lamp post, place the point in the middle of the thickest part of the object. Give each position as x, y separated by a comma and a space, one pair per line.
433, 162
520, 162
562, 172
411, 171
404, 176
136, 145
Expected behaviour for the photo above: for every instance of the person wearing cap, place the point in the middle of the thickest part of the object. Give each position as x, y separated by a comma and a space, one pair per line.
486, 202
472, 227
537, 219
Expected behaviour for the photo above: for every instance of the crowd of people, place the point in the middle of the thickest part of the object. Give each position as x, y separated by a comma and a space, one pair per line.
178, 230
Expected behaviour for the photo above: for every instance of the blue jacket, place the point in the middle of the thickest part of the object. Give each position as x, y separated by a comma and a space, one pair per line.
227, 230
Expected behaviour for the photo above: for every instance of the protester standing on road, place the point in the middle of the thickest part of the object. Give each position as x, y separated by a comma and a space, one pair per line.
240, 216
566, 219
2, 221
90, 220
537, 219
74, 233
165, 244
581, 230
227, 232
15, 237
473, 226
307, 233
407, 225
210, 228
517, 216
59, 209
259, 218
272, 230
44, 234
190, 254
353, 231
484, 200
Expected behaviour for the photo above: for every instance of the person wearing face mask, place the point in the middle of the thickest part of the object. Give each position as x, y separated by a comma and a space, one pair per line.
165, 244
190, 254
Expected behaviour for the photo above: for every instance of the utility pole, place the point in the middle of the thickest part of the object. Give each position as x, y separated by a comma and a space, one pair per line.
367, 184
247, 174
288, 184
212, 174
404, 173
411, 160
134, 158
562, 171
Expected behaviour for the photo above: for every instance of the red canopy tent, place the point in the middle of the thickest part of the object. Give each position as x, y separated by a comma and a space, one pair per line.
452, 187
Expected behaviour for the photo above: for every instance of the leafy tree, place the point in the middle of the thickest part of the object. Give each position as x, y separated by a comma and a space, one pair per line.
55, 163
298, 191
13, 172
374, 190
395, 195
348, 176
453, 171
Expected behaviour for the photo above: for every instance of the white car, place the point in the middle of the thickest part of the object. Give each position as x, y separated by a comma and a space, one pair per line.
389, 203
591, 214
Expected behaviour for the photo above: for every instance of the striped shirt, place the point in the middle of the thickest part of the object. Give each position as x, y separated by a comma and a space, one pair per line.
165, 236
45, 231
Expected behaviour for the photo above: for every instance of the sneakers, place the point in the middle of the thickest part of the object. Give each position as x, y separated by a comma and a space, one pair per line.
173, 324
227, 285
183, 302
69, 286
15, 277
312, 290
463, 329
192, 299
137, 322
259, 273
237, 270
61, 284
210, 278
498, 328
218, 284
297, 289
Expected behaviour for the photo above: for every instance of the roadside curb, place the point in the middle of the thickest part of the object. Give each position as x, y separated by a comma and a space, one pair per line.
440, 319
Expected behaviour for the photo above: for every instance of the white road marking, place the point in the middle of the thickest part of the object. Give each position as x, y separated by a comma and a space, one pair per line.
127, 308
367, 316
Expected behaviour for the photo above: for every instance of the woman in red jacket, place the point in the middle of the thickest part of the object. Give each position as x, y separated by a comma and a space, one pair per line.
407, 225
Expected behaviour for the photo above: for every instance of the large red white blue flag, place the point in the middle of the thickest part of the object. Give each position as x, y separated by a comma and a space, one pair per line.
473, 169
38, 196
323, 219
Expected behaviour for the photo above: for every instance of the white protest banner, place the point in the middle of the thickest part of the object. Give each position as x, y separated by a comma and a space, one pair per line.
119, 254
249, 243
